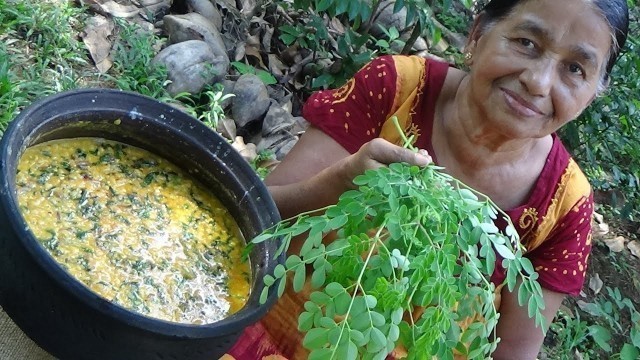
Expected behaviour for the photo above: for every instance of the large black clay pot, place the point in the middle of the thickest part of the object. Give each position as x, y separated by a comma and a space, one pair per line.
59, 313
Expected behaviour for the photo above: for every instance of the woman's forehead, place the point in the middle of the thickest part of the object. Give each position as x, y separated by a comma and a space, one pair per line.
563, 22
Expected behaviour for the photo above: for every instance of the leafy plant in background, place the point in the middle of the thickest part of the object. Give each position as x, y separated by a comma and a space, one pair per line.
38, 52
572, 334
414, 252
346, 50
264, 156
10, 96
47, 29
214, 112
206, 106
264, 76
606, 138
133, 70
385, 46
350, 50
453, 18
608, 310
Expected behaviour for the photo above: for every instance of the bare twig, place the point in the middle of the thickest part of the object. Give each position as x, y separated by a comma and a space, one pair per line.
284, 14
417, 29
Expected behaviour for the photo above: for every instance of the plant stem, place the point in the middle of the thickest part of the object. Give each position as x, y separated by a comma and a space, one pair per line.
358, 286
417, 29
445, 176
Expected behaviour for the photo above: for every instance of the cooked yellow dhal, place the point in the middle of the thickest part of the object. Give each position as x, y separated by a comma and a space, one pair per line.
134, 228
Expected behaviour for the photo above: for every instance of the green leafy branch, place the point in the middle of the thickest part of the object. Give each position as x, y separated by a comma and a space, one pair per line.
413, 256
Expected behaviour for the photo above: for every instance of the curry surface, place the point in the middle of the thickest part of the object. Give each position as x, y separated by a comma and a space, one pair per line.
134, 228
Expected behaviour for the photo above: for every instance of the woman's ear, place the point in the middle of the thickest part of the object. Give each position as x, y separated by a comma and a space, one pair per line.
477, 28
474, 35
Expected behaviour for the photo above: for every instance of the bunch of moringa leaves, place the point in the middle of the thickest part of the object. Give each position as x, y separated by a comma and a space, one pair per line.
413, 255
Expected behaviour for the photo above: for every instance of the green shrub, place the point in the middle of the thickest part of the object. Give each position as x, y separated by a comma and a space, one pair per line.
606, 138
350, 50
38, 52
133, 70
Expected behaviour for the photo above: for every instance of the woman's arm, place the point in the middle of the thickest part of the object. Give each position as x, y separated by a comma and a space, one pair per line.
520, 339
318, 170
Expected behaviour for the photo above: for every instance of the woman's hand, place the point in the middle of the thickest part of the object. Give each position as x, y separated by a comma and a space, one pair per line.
379, 152
318, 170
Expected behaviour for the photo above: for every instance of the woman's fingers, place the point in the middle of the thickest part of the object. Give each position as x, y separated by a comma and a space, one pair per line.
384, 152
377, 153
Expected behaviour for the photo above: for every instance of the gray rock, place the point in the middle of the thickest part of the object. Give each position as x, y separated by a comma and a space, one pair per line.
251, 99
156, 11
227, 88
279, 143
145, 3
420, 44
300, 126
190, 66
277, 120
143, 23
280, 94
207, 9
193, 26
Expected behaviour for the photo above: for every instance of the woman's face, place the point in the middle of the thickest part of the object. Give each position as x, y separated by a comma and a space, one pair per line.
538, 68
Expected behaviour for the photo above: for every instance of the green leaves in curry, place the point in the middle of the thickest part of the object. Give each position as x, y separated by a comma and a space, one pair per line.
134, 228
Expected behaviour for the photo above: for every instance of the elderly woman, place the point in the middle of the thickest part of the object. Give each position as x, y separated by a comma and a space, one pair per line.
533, 66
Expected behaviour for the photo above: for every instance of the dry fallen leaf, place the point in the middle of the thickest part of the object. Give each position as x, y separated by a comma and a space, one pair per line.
248, 151
254, 52
600, 229
240, 51
589, 308
96, 38
269, 164
336, 26
615, 244
634, 247
145, 3
598, 217
247, 6
567, 311
113, 8
595, 283
276, 67
254, 40
267, 37
227, 128
227, 4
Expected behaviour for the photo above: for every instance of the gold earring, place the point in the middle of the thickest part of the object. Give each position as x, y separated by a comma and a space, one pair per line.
468, 56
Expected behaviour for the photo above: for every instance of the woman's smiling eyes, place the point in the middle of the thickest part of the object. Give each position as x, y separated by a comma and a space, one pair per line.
525, 46
526, 43
531, 48
576, 69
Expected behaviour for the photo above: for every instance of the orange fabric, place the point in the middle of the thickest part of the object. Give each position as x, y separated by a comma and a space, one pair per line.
573, 190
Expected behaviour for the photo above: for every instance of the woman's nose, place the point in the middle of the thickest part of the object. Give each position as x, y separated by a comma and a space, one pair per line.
538, 78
